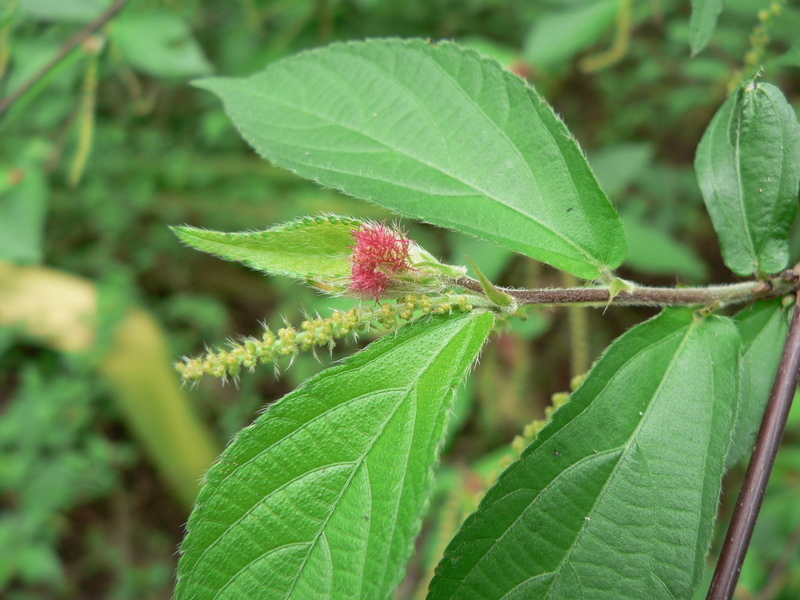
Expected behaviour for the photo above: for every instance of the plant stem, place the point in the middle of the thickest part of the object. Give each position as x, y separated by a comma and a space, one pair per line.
70, 45
720, 295
758, 471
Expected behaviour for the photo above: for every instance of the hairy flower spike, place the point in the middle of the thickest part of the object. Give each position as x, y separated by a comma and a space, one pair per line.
315, 333
380, 254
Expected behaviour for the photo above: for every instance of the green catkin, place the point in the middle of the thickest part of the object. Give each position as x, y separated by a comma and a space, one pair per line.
315, 333
86, 110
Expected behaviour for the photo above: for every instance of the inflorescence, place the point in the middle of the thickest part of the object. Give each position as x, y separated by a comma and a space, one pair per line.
315, 333
379, 255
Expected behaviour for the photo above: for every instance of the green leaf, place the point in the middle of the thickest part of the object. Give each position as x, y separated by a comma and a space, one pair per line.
702, 23
322, 496
763, 327
159, 43
309, 248
748, 168
436, 133
616, 497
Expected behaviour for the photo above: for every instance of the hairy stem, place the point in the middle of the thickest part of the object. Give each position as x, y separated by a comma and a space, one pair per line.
641, 295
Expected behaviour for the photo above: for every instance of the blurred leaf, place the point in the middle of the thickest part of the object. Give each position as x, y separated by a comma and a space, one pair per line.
711, 70
39, 563
484, 154
556, 37
763, 327
491, 258
309, 248
51, 461
650, 249
703, 22
323, 494
618, 493
791, 58
653, 251
159, 43
620, 165
531, 325
28, 56
23, 207
71, 11
748, 168
502, 54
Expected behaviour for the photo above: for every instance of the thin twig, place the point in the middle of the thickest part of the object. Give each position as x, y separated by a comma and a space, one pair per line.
751, 495
70, 45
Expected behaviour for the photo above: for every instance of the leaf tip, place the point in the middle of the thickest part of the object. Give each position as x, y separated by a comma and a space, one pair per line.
182, 232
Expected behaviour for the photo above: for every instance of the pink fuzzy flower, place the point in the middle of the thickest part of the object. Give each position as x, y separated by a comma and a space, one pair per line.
379, 254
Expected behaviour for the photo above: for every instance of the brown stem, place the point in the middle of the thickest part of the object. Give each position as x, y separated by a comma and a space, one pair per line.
758, 471
70, 45
721, 295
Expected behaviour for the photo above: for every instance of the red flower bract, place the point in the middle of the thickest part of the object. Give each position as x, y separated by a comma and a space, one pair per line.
380, 253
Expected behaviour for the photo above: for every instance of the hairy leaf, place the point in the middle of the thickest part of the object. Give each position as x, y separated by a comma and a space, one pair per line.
309, 248
764, 327
322, 496
748, 168
616, 497
437, 133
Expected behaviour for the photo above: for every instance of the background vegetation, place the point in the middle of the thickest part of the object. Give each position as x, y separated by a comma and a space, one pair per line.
100, 449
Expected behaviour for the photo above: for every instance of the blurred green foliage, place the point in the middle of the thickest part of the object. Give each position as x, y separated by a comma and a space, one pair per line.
83, 513
53, 458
